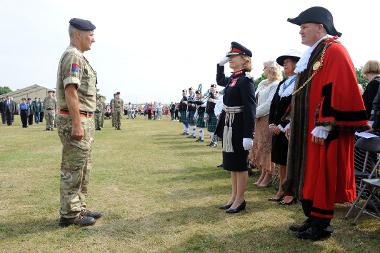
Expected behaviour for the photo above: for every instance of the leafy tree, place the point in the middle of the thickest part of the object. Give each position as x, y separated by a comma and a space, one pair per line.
4, 89
258, 80
360, 76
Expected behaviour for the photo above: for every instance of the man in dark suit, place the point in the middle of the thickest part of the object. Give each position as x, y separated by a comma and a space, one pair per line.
9, 109
2, 112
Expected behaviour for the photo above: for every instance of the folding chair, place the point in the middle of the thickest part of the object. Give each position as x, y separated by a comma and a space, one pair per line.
371, 145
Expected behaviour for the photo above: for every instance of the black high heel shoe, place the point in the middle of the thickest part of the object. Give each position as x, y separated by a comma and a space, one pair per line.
225, 207
237, 209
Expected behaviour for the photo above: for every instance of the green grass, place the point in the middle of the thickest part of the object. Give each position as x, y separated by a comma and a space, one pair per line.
159, 193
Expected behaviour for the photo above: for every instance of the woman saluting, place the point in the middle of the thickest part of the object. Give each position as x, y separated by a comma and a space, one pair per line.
236, 123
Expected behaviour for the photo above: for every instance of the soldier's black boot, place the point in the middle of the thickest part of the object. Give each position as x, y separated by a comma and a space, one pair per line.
93, 214
79, 221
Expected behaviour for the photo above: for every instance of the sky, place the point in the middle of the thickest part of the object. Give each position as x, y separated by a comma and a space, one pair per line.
150, 50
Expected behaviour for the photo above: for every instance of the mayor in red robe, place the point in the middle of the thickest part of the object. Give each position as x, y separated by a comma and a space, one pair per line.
327, 108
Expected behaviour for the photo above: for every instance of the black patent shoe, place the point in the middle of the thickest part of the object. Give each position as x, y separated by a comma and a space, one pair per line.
315, 234
80, 220
93, 214
300, 228
238, 209
225, 207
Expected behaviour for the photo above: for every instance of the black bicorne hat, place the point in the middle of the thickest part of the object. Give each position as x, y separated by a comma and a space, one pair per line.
318, 15
238, 49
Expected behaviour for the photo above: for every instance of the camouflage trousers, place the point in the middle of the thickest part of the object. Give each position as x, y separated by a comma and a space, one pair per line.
102, 120
118, 117
113, 118
75, 165
98, 118
49, 117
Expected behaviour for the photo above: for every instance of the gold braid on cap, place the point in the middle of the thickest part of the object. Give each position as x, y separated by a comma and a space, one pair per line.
316, 67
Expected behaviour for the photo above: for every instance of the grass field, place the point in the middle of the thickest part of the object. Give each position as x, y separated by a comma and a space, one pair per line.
159, 193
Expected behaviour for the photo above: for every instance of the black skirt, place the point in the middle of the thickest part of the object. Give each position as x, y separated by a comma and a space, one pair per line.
237, 160
279, 149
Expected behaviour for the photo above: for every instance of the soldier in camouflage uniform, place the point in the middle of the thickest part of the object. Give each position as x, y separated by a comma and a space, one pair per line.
98, 113
50, 106
112, 104
117, 108
76, 93
102, 99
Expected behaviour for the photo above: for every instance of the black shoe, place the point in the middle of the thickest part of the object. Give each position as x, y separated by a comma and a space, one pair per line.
93, 214
237, 209
98, 129
79, 221
225, 207
213, 145
300, 228
220, 166
191, 136
315, 234
209, 145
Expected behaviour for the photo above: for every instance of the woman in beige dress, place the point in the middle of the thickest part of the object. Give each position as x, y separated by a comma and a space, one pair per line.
261, 151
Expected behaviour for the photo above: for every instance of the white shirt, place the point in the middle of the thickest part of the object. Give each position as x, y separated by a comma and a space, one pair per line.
264, 93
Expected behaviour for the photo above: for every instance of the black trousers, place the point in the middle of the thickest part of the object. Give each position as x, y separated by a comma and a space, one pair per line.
321, 223
9, 117
30, 119
24, 117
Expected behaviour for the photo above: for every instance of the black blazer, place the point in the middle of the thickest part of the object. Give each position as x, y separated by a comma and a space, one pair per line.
241, 94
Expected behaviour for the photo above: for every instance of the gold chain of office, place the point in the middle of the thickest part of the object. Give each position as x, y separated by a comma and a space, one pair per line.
316, 67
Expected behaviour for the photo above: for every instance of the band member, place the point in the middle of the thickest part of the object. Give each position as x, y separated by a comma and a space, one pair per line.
211, 117
201, 108
183, 112
191, 109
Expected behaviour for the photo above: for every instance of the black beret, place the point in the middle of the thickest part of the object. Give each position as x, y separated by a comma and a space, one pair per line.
117, 93
318, 15
238, 49
213, 85
198, 92
82, 24
184, 90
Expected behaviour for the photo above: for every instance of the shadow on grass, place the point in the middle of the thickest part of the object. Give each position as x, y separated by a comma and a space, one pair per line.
165, 222
10, 230
197, 193
195, 174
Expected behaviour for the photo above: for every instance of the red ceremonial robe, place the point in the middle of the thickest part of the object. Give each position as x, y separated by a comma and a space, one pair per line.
334, 100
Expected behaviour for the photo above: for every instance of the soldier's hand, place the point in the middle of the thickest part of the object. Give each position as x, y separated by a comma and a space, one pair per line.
77, 132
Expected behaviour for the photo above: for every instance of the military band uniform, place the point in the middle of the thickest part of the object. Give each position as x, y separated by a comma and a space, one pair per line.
212, 119
200, 123
50, 106
183, 112
76, 154
191, 109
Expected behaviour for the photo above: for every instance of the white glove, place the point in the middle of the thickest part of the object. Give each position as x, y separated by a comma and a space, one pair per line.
321, 131
247, 143
223, 61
